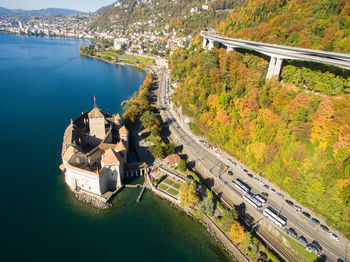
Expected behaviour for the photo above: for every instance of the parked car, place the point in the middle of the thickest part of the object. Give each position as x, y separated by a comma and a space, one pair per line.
291, 231
245, 170
267, 186
317, 245
303, 240
311, 248
306, 214
250, 175
289, 202
340, 260
256, 179
323, 257
280, 195
273, 190
230, 173
334, 236
316, 221
324, 228
265, 194
261, 182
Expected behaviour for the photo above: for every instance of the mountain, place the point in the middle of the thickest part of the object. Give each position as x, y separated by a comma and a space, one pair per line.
184, 16
42, 12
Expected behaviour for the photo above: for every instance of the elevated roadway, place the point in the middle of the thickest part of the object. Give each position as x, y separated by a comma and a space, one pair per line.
278, 52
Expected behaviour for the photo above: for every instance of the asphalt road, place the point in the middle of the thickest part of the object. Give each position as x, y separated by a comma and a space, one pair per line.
214, 166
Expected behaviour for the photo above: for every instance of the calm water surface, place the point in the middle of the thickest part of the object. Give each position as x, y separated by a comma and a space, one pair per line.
44, 83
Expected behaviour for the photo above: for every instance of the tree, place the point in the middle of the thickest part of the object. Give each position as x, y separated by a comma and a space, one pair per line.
149, 119
228, 219
237, 232
206, 207
188, 193
182, 165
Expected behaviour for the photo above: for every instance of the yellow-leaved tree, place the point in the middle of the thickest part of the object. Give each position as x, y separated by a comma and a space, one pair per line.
237, 232
188, 193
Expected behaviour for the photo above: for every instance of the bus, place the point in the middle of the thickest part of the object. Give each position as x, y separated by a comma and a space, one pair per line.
240, 185
275, 217
261, 199
251, 199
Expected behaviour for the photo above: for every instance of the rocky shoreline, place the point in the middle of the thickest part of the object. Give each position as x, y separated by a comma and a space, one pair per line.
209, 228
95, 201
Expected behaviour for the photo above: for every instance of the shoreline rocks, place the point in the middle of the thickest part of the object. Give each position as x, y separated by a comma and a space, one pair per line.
94, 201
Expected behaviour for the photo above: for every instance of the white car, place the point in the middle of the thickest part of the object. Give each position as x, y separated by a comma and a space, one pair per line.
334, 236
297, 209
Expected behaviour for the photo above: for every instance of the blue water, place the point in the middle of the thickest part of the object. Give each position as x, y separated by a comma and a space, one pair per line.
44, 83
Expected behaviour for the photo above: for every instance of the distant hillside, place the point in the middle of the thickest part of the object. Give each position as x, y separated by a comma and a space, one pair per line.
319, 24
187, 16
42, 12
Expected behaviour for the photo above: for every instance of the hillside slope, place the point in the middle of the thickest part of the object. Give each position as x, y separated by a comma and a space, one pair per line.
183, 16
296, 132
319, 24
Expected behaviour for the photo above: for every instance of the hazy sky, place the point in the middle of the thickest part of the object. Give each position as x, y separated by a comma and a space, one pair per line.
81, 5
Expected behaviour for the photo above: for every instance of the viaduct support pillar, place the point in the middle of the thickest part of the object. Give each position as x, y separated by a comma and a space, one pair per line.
274, 67
278, 67
211, 45
204, 42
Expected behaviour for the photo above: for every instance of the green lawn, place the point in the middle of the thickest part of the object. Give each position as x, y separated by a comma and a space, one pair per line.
163, 187
126, 61
173, 192
302, 250
169, 181
176, 185
146, 60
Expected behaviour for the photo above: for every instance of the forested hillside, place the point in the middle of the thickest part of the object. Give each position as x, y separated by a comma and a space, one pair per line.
299, 140
319, 24
166, 14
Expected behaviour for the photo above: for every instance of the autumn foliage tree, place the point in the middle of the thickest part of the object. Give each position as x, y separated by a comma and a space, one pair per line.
188, 193
237, 232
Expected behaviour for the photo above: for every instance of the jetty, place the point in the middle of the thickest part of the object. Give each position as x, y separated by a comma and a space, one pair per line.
130, 185
141, 193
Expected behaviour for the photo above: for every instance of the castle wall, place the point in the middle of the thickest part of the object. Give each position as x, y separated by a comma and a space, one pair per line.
83, 179
109, 137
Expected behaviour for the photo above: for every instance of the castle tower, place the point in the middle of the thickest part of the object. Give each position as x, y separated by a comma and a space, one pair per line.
124, 133
97, 123
113, 161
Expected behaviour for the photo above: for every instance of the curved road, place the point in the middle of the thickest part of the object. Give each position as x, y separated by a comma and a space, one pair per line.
214, 167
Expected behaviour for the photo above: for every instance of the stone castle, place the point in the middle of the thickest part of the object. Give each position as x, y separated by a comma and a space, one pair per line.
94, 153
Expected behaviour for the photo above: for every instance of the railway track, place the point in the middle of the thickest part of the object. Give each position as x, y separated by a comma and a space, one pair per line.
277, 247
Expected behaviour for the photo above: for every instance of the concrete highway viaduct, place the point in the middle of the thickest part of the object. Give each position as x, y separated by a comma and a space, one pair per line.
277, 52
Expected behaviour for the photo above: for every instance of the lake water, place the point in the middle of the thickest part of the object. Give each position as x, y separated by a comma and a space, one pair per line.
44, 83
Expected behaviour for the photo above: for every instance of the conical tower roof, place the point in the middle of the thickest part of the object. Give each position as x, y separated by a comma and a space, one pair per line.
111, 157
95, 113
